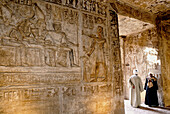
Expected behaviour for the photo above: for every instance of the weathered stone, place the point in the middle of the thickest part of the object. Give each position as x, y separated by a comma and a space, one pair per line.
129, 25
163, 25
59, 57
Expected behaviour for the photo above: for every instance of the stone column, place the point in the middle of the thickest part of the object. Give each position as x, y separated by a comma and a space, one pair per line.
163, 27
115, 65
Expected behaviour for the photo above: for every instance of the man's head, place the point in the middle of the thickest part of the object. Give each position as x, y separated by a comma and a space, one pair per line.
150, 74
135, 71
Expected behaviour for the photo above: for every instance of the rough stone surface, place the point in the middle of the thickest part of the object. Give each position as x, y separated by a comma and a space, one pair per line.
59, 57
129, 10
154, 6
163, 27
129, 25
144, 10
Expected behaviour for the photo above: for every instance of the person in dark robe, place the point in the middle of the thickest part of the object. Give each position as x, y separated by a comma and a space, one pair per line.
151, 88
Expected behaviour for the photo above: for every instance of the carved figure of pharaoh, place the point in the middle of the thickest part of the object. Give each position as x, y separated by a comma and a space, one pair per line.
96, 57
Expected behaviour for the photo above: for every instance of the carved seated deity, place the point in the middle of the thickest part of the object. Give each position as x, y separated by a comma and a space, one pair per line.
64, 52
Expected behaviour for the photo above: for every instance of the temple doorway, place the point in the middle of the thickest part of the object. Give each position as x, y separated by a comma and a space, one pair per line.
139, 50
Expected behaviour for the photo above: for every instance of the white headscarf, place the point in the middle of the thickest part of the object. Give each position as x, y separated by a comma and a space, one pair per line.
135, 71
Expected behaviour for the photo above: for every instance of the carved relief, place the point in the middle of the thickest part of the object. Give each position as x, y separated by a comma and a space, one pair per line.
54, 1
39, 56
23, 2
57, 14
88, 21
12, 79
94, 6
96, 58
64, 52
29, 94
101, 9
33, 57
70, 16
99, 20
116, 54
118, 78
69, 91
95, 89
70, 102
113, 17
71, 3
7, 56
40, 29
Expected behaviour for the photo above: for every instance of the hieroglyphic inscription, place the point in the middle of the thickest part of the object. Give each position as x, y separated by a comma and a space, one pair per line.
54, 1
28, 93
40, 48
90, 94
88, 21
19, 56
91, 89
70, 16
34, 98
118, 78
23, 2
98, 97
7, 79
99, 20
95, 6
69, 3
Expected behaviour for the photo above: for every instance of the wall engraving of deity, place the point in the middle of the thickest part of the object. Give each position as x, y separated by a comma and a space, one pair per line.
40, 33
56, 57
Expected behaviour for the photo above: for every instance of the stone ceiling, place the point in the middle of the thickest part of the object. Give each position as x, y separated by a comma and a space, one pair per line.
138, 15
145, 10
129, 25
153, 6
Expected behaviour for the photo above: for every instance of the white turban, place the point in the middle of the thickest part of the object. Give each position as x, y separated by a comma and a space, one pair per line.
135, 71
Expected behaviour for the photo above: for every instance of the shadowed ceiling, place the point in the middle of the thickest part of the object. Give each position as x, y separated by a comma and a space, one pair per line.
138, 15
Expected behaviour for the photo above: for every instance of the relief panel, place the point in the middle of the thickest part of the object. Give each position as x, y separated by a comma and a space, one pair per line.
42, 66
12, 79
34, 99
95, 6
44, 38
95, 68
7, 56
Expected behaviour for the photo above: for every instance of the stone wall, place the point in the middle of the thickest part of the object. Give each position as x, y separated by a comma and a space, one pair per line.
141, 51
154, 6
163, 28
59, 57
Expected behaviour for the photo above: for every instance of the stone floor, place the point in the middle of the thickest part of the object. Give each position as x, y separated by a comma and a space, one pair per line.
144, 109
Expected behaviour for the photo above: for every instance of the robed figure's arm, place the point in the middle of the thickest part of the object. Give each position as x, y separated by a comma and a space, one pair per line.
155, 84
146, 84
141, 85
131, 84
